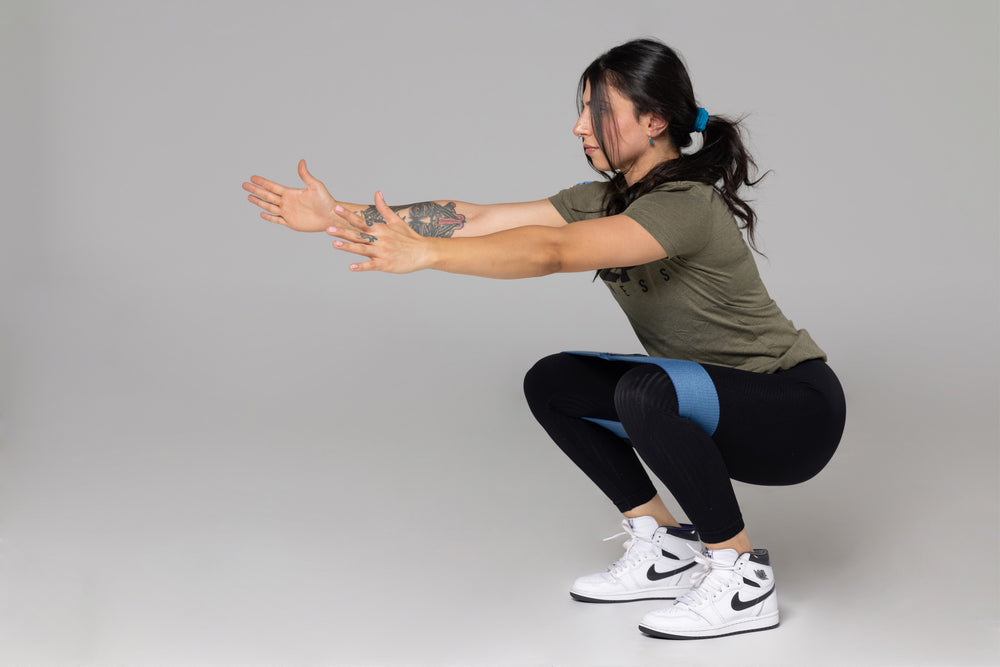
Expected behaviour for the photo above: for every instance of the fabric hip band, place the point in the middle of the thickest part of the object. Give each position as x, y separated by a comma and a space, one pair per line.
697, 398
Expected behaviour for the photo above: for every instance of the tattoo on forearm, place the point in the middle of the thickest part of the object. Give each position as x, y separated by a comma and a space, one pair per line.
425, 218
372, 215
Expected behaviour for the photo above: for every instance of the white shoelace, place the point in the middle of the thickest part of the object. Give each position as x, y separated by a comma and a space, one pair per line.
707, 583
632, 555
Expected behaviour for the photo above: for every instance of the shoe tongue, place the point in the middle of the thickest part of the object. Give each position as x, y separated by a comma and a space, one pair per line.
727, 557
644, 526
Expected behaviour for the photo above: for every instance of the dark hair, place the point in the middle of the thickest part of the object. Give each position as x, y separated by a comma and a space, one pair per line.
653, 77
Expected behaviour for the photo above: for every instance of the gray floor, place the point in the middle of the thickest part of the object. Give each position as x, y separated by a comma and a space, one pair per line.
172, 528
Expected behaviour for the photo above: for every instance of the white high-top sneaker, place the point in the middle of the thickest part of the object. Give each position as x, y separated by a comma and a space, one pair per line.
735, 595
658, 564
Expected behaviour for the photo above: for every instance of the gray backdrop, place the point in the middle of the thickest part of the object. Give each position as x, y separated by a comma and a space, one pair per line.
221, 447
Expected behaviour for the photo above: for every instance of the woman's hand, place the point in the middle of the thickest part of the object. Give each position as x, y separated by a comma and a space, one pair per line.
310, 209
392, 247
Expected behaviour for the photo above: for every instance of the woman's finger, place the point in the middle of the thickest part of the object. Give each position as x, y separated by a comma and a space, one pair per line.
348, 234
387, 213
268, 185
370, 265
363, 249
261, 193
271, 208
353, 219
277, 219
306, 177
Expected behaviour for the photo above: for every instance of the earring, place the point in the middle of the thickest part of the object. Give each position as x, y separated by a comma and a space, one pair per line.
651, 141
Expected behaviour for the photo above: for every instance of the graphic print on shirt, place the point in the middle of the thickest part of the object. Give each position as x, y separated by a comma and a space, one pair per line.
620, 281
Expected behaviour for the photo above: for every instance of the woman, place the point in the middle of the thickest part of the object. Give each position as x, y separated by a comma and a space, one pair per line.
731, 390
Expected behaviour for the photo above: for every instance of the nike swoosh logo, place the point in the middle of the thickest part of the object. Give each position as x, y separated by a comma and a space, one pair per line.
653, 575
740, 605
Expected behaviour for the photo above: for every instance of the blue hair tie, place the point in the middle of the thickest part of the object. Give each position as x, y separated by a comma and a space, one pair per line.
701, 120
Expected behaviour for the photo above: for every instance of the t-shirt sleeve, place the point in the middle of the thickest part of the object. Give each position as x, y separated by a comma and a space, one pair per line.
678, 218
580, 202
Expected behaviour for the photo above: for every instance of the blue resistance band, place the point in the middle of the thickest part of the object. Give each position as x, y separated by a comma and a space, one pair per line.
697, 399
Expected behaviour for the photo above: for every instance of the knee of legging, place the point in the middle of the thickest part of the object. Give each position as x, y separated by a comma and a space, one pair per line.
645, 390
541, 380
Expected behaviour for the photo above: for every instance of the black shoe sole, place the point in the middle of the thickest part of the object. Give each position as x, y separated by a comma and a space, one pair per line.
584, 598
663, 635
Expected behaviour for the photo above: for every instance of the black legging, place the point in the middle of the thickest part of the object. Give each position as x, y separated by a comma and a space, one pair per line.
774, 429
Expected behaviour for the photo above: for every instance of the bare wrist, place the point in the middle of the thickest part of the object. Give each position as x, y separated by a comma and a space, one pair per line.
433, 252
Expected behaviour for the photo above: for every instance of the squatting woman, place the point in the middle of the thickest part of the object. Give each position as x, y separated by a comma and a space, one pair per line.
730, 389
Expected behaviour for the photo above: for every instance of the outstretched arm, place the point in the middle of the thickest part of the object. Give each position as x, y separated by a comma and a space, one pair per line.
311, 209
522, 252
447, 219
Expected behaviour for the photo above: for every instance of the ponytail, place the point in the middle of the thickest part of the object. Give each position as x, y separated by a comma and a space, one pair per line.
723, 161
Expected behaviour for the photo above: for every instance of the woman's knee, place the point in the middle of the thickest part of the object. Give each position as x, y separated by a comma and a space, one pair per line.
546, 377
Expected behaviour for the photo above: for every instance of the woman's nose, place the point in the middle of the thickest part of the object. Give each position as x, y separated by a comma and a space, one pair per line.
582, 126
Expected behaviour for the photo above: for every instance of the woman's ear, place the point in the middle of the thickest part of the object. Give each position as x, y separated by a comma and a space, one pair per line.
656, 124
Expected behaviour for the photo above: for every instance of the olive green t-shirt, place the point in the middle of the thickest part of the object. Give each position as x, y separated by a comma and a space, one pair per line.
705, 301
